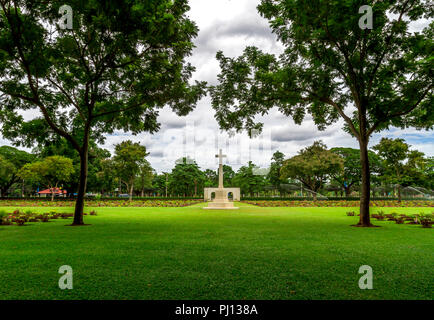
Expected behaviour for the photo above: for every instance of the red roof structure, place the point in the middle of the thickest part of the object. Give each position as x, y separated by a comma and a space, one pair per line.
56, 191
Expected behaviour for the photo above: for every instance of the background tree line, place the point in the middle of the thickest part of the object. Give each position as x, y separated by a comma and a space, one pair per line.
315, 171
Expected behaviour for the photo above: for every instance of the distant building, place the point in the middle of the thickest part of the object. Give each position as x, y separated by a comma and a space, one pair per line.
57, 192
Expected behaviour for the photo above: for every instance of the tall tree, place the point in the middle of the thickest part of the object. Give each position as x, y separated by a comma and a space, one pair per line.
106, 179
61, 147
248, 182
352, 174
113, 70
211, 178
186, 178
228, 175
402, 167
144, 178
160, 183
50, 171
7, 174
429, 173
274, 174
128, 160
12, 160
333, 69
313, 167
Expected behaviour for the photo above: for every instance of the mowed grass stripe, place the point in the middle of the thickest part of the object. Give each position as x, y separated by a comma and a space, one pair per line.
191, 253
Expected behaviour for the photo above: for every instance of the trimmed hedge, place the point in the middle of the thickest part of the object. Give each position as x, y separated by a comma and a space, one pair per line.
324, 199
98, 199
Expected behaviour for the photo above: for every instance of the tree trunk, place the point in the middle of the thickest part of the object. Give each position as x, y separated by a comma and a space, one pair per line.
195, 188
52, 194
131, 191
399, 193
314, 195
347, 192
79, 204
143, 193
365, 197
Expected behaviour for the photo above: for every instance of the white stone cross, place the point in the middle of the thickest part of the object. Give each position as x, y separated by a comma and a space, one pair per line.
220, 156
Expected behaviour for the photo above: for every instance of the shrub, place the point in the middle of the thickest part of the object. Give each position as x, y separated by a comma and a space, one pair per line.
399, 220
20, 220
44, 217
426, 220
3, 216
393, 216
380, 215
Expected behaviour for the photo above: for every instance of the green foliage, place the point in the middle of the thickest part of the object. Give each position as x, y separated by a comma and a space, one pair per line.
248, 181
11, 160
268, 240
313, 166
401, 166
211, 178
186, 178
144, 178
7, 172
129, 161
330, 64
50, 171
159, 183
97, 156
273, 175
120, 63
332, 69
3, 216
352, 173
426, 220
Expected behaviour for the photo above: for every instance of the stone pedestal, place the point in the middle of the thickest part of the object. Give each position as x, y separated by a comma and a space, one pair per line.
221, 201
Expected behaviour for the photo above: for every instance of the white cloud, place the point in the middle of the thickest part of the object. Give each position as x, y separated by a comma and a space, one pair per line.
230, 26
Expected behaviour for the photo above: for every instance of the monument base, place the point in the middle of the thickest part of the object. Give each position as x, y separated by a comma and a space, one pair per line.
221, 202
221, 208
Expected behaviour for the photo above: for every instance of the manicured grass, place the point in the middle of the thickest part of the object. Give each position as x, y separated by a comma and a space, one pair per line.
191, 253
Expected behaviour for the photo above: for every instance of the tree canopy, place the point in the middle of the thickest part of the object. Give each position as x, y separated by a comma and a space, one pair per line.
113, 70
11, 160
186, 178
246, 179
313, 166
333, 69
50, 171
402, 167
352, 174
128, 161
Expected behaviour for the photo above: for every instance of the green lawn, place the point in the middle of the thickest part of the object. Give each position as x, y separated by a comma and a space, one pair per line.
191, 253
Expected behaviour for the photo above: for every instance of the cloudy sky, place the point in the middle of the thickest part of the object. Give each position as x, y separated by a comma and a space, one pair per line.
231, 25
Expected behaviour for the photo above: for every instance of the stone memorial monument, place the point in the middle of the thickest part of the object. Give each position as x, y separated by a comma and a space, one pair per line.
221, 200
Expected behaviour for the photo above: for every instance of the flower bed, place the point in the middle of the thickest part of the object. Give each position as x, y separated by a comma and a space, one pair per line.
21, 218
342, 203
101, 203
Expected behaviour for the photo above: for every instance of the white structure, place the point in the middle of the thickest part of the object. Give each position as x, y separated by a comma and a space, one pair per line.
221, 200
236, 194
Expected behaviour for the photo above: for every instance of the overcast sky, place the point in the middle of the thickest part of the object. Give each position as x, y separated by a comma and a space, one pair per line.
231, 25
